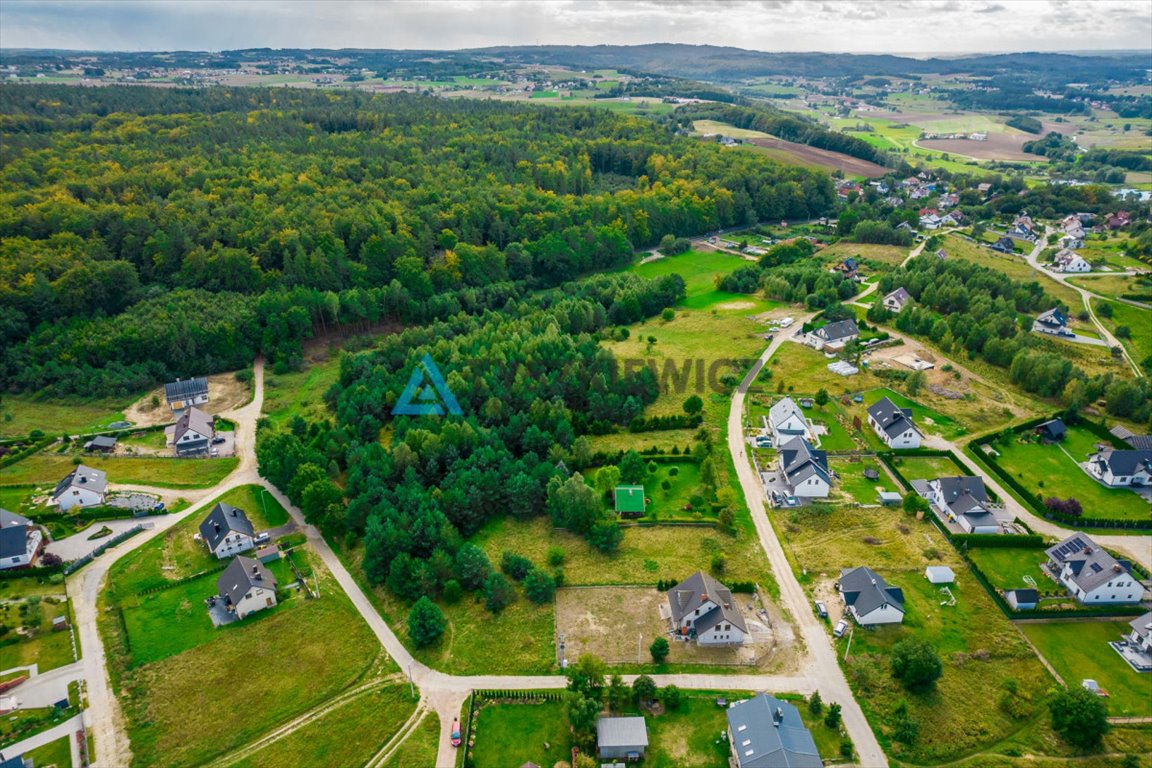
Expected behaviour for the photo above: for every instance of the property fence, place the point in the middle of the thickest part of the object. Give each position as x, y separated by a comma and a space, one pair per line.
165, 586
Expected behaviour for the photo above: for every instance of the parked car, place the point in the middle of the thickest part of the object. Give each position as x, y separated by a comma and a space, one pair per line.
217, 440
792, 501
821, 609
456, 732
262, 537
776, 498
841, 628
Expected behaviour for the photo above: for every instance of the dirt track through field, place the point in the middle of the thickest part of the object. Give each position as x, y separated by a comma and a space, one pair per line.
851, 166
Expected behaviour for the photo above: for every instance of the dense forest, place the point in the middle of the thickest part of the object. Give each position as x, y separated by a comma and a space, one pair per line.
151, 233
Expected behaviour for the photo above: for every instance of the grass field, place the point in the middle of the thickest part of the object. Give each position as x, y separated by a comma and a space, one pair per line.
514, 734
1079, 650
46, 648
260, 506
663, 439
707, 127
47, 468
668, 503
1049, 470
300, 393
875, 256
58, 753
349, 735
688, 737
1006, 567
927, 467
699, 270
852, 486
1114, 286
20, 414
1138, 322
420, 749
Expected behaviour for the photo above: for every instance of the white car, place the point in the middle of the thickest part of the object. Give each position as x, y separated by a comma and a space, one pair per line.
841, 628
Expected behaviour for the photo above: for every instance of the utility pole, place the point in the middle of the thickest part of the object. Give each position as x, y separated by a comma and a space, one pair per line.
411, 687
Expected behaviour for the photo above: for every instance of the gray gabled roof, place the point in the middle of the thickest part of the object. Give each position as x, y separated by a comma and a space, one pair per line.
1024, 595
691, 593
894, 421
102, 441
799, 461
1142, 625
1127, 462
224, 519
185, 389
866, 590
839, 330
1054, 427
782, 410
1142, 442
768, 733
196, 420
1091, 566
900, 295
94, 480
241, 575
621, 732
963, 493
11, 519
14, 540
1052, 317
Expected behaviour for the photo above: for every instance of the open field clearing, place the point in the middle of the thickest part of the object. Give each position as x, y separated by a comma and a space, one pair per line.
225, 393
883, 255
700, 270
22, 413
1136, 320
48, 468
822, 158
998, 146
714, 127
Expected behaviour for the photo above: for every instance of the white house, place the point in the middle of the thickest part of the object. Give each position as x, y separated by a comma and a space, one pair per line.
1090, 574
963, 500
1117, 468
83, 487
184, 393
704, 608
869, 599
894, 425
787, 421
192, 433
227, 531
1067, 260
1141, 635
834, 336
246, 586
1053, 322
20, 540
895, 301
805, 469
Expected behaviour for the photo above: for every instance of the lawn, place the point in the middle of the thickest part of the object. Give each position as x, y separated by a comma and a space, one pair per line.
690, 736
348, 735
420, 749
851, 485
260, 506
927, 467
20, 414
300, 393
47, 468
173, 706
1136, 320
1049, 470
514, 734
155, 440
44, 647
699, 270
1006, 567
58, 753
664, 440
1079, 650
683, 478
875, 256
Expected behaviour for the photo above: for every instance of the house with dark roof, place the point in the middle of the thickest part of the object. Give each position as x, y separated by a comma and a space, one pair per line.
227, 531
20, 541
246, 587
834, 336
1004, 245
764, 732
1053, 322
895, 301
184, 393
962, 500
630, 501
623, 738
869, 599
1090, 574
1118, 468
83, 487
703, 608
101, 444
1133, 440
805, 469
192, 433
894, 425
1051, 431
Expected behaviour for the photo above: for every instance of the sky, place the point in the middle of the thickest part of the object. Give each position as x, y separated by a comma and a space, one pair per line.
916, 27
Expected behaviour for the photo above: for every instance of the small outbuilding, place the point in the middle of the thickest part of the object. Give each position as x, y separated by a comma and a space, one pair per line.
1052, 431
939, 574
630, 500
101, 443
621, 737
1022, 599
889, 498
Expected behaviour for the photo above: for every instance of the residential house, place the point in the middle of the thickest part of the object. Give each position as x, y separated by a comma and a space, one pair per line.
1051, 431
1053, 322
805, 469
984, 188
623, 738
1118, 468
895, 301
930, 221
847, 267
246, 587
835, 336
919, 193
868, 597
83, 487
630, 501
905, 227
704, 608
1004, 245
1067, 260
894, 425
787, 421
227, 531
184, 393
193, 432
764, 732
963, 500
1068, 241
953, 219
1022, 599
1118, 220
20, 540
1141, 635
1090, 574
1131, 438
948, 200
894, 201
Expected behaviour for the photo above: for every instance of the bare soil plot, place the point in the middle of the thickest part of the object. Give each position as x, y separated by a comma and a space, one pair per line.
224, 394
823, 158
999, 146
617, 624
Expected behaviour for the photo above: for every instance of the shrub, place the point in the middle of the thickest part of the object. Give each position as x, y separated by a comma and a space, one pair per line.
1079, 716
659, 650
425, 622
498, 593
1070, 507
539, 586
555, 556
815, 703
451, 591
916, 664
671, 697
515, 565
832, 718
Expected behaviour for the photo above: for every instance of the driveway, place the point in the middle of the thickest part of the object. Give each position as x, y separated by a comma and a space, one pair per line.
78, 545
44, 690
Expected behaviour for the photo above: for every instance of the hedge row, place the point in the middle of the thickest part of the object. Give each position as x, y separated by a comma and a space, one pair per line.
518, 695
663, 423
998, 541
737, 587
23, 453
165, 586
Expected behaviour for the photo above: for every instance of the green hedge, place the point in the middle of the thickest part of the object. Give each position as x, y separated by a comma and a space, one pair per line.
999, 541
26, 451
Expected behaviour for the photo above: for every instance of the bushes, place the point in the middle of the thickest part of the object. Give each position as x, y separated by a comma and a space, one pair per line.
516, 566
916, 664
425, 622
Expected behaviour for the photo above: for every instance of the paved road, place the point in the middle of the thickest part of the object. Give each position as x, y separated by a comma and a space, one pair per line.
79, 545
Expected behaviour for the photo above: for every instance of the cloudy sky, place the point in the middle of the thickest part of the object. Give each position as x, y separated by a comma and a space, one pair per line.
896, 26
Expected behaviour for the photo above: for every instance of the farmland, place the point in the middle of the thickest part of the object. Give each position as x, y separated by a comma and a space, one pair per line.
46, 469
